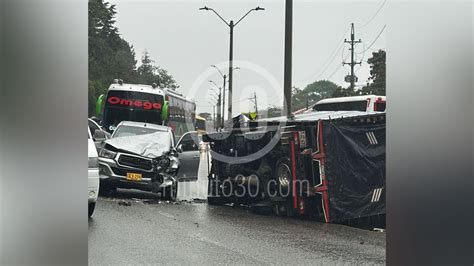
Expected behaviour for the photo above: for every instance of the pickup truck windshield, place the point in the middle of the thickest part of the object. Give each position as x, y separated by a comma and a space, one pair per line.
124, 131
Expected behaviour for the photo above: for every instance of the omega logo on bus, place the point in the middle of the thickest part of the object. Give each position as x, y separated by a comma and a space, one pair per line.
147, 105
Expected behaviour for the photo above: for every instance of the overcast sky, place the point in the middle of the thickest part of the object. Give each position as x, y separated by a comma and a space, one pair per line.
186, 41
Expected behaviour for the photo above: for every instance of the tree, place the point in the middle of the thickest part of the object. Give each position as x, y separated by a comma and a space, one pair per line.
312, 93
148, 73
376, 83
110, 56
343, 92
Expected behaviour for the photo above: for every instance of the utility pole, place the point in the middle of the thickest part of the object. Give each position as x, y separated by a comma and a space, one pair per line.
213, 114
254, 99
288, 56
224, 77
256, 108
231, 58
223, 100
216, 124
352, 78
219, 111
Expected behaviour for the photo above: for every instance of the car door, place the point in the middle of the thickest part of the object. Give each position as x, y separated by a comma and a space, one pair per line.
99, 144
189, 157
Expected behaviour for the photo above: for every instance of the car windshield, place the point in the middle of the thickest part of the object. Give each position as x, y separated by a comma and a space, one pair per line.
125, 131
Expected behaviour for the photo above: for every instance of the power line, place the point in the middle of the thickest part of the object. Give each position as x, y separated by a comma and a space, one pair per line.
241, 100
376, 38
343, 59
337, 69
331, 61
333, 54
362, 58
375, 15
330, 58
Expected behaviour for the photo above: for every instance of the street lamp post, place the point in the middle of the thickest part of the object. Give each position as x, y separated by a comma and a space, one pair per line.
231, 59
224, 77
231, 26
219, 105
223, 99
213, 114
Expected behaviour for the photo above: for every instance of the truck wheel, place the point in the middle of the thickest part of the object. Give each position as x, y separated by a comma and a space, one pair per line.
91, 208
214, 196
282, 178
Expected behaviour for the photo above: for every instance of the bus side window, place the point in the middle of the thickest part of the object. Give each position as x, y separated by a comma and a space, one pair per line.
380, 106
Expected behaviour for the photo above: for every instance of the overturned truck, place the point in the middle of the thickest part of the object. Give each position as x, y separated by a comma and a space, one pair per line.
329, 166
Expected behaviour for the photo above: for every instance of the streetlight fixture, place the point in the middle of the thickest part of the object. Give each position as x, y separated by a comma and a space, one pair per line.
215, 97
223, 88
231, 26
213, 114
220, 114
214, 91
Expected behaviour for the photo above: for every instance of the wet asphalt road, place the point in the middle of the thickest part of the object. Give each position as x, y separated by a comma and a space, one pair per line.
133, 227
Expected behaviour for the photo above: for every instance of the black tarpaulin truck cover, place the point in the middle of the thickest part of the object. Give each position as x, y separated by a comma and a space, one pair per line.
341, 154
355, 168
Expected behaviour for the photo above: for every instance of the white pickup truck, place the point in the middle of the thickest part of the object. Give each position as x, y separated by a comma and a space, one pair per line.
362, 103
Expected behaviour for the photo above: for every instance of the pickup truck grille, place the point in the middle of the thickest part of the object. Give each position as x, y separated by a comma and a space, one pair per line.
136, 162
123, 172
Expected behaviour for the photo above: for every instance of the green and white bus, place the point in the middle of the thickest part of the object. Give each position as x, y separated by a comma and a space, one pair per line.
145, 103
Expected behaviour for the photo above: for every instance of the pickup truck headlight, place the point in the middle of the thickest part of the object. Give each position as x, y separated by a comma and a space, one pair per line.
174, 163
164, 162
93, 162
107, 154
173, 167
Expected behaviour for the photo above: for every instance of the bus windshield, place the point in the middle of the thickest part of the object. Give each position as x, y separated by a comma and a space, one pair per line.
131, 106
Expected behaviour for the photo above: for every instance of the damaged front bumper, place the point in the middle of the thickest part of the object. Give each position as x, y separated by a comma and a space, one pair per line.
114, 173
